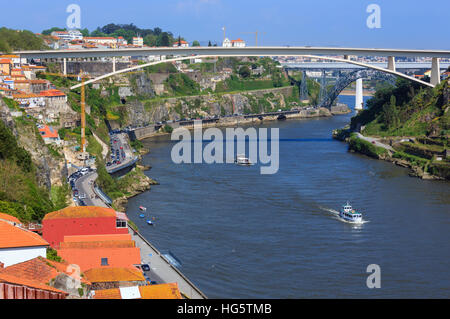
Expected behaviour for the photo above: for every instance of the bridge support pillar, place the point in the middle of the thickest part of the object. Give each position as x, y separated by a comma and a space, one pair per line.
391, 63
65, 66
435, 72
114, 63
359, 102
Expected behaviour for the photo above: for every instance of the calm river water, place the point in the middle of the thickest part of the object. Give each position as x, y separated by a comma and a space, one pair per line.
240, 234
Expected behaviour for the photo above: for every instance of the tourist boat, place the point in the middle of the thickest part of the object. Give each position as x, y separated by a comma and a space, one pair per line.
142, 208
349, 214
242, 160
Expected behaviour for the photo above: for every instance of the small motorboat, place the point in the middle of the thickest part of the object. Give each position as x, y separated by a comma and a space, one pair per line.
142, 208
142, 215
242, 160
349, 214
150, 222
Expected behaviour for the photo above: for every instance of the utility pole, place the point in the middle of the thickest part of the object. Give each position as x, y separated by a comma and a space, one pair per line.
223, 28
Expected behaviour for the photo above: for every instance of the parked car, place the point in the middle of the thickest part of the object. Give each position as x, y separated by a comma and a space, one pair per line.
145, 267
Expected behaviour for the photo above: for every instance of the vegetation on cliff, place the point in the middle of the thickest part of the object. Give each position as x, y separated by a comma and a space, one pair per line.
415, 121
20, 194
12, 40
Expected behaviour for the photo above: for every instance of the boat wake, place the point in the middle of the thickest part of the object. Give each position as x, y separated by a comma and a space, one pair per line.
335, 214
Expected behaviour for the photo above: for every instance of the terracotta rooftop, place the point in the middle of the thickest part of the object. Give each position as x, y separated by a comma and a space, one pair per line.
51, 93
48, 132
81, 212
92, 258
38, 269
9, 218
83, 238
13, 236
163, 291
111, 274
98, 244
29, 283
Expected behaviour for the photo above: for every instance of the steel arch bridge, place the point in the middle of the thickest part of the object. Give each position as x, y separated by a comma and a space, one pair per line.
351, 77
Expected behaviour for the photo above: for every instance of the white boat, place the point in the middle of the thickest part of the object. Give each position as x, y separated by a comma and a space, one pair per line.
349, 214
242, 160
142, 208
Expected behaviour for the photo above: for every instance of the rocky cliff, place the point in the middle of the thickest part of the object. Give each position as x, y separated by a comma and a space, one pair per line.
142, 111
50, 164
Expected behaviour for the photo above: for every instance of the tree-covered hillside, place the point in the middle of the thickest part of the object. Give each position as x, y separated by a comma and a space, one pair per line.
407, 109
11, 40
20, 195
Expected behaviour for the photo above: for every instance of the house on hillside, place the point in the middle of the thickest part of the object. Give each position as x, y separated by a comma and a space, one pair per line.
114, 277
49, 134
13, 287
60, 275
18, 245
82, 220
10, 219
97, 251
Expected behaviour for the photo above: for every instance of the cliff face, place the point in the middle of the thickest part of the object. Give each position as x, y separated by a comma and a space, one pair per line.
51, 169
140, 112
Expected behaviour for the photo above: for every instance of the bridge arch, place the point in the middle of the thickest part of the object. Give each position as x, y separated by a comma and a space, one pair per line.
349, 78
252, 55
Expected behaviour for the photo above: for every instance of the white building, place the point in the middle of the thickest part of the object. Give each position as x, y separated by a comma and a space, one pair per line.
18, 245
138, 41
101, 40
68, 35
181, 44
239, 43
226, 43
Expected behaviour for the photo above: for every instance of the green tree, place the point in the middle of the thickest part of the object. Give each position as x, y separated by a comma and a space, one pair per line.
244, 71
163, 40
49, 31
195, 43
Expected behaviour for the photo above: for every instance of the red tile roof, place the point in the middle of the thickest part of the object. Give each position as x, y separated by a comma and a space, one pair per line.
9, 218
51, 93
5, 61
29, 283
84, 238
81, 212
163, 291
112, 274
13, 236
98, 244
39, 269
91, 258
48, 132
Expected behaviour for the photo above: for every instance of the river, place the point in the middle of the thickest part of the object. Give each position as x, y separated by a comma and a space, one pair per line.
240, 234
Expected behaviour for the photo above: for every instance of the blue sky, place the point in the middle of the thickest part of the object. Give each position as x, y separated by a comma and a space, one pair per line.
416, 24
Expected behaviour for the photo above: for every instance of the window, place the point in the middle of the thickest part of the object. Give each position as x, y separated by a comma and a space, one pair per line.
104, 262
120, 223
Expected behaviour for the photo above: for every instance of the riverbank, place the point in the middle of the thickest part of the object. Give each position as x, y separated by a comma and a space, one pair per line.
232, 121
425, 162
